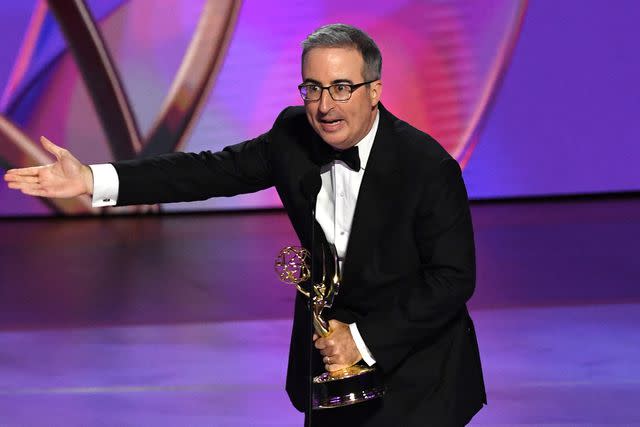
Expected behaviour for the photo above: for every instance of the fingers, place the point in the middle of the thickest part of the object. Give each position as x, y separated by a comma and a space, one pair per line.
31, 189
328, 352
333, 364
338, 361
335, 367
327, 348
13, 174
27, 179
51, 147
333, 359
17, 185
330, 363
336, 358
323, 343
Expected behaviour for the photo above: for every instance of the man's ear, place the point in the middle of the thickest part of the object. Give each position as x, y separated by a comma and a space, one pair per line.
375, 90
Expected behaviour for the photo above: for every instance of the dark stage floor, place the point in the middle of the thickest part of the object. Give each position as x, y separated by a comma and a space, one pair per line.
180, 319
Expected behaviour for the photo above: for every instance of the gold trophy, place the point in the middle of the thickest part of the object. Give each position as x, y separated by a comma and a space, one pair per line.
355, 384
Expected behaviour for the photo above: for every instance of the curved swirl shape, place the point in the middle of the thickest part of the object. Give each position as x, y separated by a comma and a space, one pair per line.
179, 111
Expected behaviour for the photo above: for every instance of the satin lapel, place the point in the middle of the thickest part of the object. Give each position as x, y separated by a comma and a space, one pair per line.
303, 207
304, 223
375, 199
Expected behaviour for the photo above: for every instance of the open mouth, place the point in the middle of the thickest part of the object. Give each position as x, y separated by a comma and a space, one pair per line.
330, 124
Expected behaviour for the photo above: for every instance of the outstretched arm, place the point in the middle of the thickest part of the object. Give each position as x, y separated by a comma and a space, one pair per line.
66, 177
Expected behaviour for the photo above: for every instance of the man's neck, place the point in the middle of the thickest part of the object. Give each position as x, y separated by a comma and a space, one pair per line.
372, 120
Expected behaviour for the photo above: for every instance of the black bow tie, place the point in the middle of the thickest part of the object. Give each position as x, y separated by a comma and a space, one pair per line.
349, 156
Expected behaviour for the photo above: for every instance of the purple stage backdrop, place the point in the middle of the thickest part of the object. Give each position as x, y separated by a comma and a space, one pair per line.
532, 98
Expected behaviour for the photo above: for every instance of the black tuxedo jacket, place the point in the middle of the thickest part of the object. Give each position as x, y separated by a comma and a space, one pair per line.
409, 267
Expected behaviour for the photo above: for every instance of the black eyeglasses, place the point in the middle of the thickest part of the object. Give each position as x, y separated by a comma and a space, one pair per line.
337, 91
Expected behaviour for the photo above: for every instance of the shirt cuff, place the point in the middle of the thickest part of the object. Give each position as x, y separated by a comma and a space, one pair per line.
362, 347
105, 185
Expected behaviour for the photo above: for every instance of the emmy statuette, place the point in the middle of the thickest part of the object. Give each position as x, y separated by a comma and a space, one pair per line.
355, 384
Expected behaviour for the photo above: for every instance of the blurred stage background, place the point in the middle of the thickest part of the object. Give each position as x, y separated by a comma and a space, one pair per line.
179, 320
532, 99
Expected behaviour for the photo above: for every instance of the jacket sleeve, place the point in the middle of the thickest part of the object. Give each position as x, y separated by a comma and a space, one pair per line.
182, 177
446, 280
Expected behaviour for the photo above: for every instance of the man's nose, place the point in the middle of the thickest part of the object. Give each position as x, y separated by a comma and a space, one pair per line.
325, 102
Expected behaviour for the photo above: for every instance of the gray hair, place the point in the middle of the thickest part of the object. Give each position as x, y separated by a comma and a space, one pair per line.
341, 35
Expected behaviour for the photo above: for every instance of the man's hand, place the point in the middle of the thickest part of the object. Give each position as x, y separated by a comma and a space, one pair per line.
339, 349
67, 177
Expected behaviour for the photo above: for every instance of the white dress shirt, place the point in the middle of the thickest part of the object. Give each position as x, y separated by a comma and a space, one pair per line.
335, 204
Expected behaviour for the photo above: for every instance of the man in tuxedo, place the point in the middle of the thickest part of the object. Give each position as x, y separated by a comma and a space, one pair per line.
391, 200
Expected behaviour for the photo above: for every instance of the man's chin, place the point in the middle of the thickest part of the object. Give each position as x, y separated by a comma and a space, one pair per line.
337, 145
335, 141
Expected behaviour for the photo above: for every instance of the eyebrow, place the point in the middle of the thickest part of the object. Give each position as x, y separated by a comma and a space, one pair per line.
332, 82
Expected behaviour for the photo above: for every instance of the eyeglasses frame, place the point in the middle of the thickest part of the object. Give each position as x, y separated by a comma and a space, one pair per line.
352, 87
